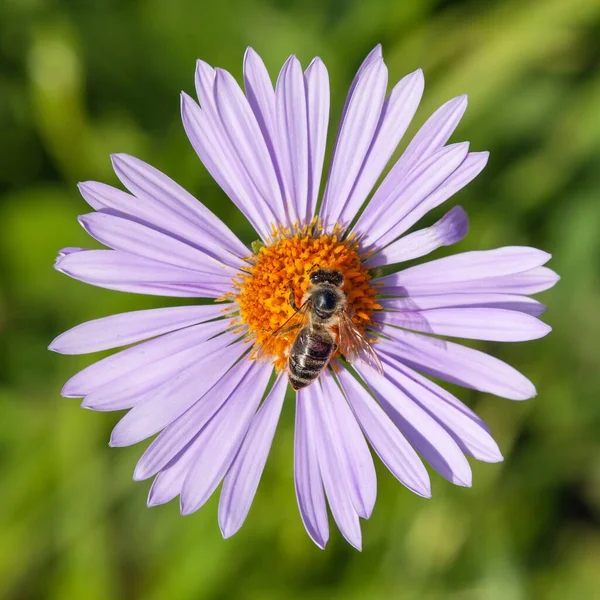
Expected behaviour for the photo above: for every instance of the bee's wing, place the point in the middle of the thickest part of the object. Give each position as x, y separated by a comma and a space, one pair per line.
289, 328
354, 345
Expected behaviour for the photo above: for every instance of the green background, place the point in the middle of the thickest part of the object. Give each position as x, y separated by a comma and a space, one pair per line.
80, 79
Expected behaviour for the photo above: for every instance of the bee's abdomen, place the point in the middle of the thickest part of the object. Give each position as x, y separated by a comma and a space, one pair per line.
309, 355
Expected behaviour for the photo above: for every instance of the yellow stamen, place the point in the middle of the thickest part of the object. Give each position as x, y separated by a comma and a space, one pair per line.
284, 265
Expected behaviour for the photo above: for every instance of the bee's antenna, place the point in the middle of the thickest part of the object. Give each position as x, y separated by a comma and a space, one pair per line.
315, 265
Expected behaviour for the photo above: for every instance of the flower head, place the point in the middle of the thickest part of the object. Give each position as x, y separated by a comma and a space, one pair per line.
210, 379
282, 270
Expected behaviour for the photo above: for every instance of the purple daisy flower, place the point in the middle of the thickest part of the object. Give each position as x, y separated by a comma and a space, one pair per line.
210, 379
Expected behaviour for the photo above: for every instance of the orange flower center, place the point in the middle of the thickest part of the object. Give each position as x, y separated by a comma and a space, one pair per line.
282, 267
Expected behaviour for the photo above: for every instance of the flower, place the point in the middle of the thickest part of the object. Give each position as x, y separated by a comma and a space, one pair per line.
210, 379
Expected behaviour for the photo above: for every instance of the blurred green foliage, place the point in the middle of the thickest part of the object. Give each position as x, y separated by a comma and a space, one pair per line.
82, 78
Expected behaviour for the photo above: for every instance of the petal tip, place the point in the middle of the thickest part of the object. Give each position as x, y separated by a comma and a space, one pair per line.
69, 390
424, 489
320, 543
54, 345
377, 50
481, 159
185, 509
119, 160
84, 186
86, 404
453, 226
186, 102
116, 440
139, 474
202, 64
418, 75
152, 500
366, 512
495, 457
529, 393
227, 530
117, 156
458, 148
251, 54
316, 61
464, 479
59, 259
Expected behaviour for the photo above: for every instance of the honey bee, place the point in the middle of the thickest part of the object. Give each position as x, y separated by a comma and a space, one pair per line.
325, 326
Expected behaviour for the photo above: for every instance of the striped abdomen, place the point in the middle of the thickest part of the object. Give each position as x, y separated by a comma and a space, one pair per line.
309, 355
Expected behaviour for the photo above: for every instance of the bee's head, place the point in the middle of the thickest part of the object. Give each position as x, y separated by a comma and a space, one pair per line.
331, 276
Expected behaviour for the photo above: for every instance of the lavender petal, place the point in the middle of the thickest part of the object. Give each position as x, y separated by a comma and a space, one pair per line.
292, 121
115, 270
317, 105
450, 229
126, 361
128, 236
241, 481
373, 56
159, 216
493, 324
261, 97
134, 387
355, 460
385, 438
531, 281
354, 139
429, 140
397, 113
467, 429
176, 436
475, 300
411, 212
307, 475
434, 134
413, 189
208, 138
456, 364
69, 250
222, 438
425, 434
131, 327
458, 272
174, 397
248, 143
336, 487
151, 186
169, 482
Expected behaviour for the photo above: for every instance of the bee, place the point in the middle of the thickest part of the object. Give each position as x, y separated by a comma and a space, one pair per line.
324, 326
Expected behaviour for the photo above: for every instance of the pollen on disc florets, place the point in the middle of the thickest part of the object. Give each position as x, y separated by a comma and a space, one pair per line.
282, 266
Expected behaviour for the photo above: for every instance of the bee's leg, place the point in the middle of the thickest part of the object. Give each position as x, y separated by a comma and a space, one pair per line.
292, 299
288, 329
